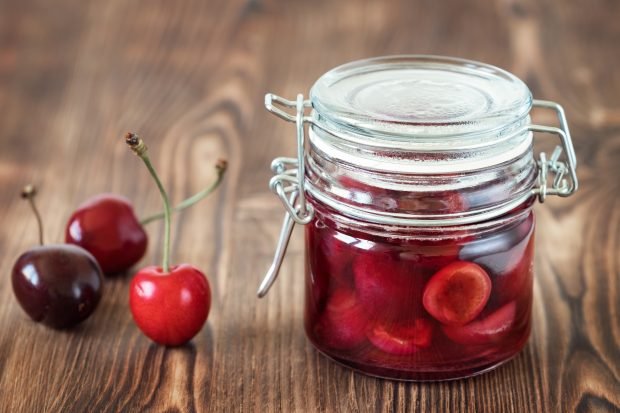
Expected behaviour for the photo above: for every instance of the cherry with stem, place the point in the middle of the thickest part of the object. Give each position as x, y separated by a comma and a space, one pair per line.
170, 304
107, 226
57, 285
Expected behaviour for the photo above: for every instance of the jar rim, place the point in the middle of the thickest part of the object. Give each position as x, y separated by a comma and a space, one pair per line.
419, 101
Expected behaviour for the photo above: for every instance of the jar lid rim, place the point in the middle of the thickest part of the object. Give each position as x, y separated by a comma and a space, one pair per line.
418, 99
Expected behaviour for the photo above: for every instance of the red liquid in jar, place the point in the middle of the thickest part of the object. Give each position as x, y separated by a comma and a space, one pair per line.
419, 309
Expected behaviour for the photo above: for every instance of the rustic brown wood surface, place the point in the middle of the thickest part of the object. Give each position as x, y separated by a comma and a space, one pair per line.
190, 77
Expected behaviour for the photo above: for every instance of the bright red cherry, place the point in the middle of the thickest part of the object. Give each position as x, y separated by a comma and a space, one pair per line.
401, 339
457, 293
170, 308
170, 304
107, 227
490, 329
343, 324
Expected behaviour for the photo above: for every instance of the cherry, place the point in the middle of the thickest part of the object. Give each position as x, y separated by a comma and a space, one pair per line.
343, 324
506, 256
57, 285
457, 293
517, 278
401, 339
169, 304
388, 289
490, 329
107, 226
328, 260
429, 256
170, 308
317, 278
335, 254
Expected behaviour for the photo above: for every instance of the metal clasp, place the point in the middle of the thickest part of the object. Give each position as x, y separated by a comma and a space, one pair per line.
560, 186
288, 182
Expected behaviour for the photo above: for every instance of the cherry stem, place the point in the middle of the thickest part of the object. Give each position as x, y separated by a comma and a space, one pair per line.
138, 146
29, 192
220, 167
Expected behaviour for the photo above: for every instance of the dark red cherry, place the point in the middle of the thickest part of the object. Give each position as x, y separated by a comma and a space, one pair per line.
490, 329
401, 338
317, 276
457, 293
388, 289
57, 285
507, 256
429, 256
107, 227
343, 324
335, 254
516, 280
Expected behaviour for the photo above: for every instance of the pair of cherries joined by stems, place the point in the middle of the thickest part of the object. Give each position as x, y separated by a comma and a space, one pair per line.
61, 285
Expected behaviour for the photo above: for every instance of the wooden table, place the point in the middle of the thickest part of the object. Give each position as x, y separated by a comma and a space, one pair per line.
190, 77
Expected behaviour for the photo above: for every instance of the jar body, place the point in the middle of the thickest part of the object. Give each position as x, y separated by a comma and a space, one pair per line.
416, 305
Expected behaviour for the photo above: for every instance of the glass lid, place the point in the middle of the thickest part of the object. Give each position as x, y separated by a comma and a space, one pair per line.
419, 97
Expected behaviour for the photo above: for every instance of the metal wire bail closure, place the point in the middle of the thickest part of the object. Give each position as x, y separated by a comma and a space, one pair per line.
288, 183
560, 186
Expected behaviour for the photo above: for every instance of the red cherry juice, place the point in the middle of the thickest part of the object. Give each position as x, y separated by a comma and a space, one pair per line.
419, 308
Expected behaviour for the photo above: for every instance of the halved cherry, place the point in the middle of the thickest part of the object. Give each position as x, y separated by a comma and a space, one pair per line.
401, 339
490, 329
343, 324
457, 293
387, 288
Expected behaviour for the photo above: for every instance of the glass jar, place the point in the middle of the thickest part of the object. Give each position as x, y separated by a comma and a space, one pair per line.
416, 189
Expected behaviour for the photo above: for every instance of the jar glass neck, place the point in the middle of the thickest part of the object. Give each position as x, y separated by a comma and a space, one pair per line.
382, 193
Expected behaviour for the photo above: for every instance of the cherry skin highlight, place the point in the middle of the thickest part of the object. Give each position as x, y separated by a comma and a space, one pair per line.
107, 227
57, 285
170, 308
457, 293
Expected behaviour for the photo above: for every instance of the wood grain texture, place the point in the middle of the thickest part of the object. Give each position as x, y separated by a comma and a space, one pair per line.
190, 76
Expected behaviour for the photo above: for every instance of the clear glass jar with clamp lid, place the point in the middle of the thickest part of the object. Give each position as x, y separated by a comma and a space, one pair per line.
415, 187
